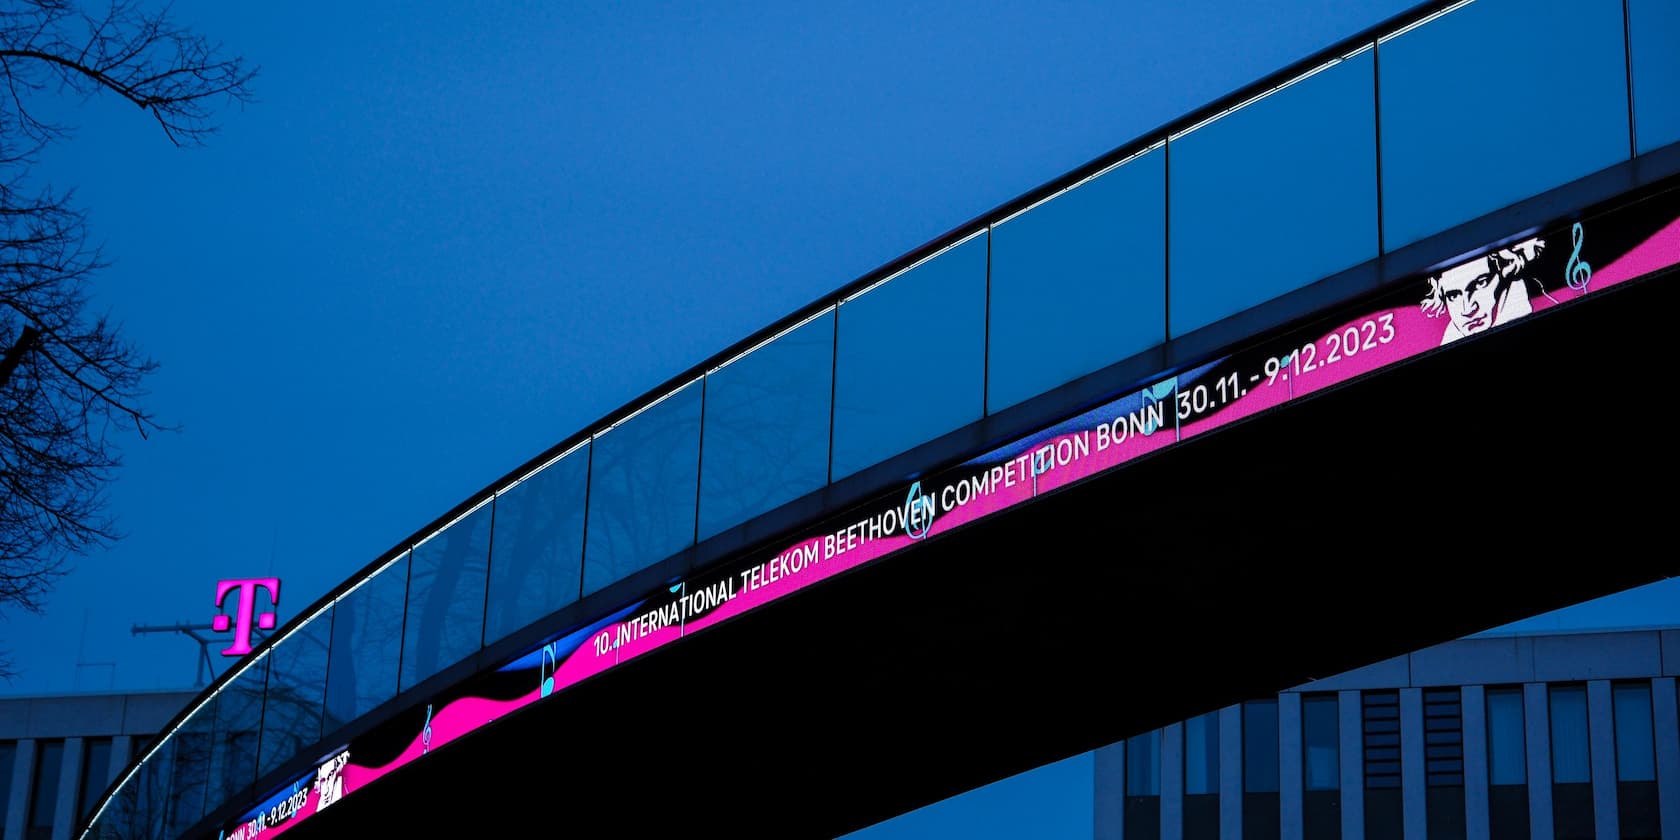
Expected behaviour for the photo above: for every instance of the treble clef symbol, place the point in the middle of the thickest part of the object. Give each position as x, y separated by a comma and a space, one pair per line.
1577, 272
426, 734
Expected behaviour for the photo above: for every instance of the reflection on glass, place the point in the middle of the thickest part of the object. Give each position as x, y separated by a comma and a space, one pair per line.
1078, 282
642, 482
116, 821
367, 638
1275, 195
1143, 764
233, 750
446, 580
1478, 111
1507, 756
1260, 746
766, 426
912, 358
536, 558
1654, 29
1636, 759
297, 684
181, 773
1201, 754
1570, 746
1321, 739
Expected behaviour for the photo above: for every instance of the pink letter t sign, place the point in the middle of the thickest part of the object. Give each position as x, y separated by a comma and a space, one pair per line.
247, 607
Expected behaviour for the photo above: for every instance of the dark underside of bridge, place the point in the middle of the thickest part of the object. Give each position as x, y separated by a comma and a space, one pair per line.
1503, 477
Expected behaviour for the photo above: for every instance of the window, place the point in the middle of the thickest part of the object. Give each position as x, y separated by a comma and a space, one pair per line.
1201, 777
1638, 810
1260, 747
1143, 787
1321, 741
49, 762
1261, 808
1507, 765
8, 758
1443, 737
1507, 758
1321, 767
1201, 754
1443, 763
1635, 748
96, 774
1380, 727
1143, 765
1572, 799
1570, 749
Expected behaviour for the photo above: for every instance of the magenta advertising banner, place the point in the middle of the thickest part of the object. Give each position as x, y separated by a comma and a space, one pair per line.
1493, 288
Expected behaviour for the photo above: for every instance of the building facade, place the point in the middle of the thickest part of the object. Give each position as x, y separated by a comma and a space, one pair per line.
1568, 736
59, 754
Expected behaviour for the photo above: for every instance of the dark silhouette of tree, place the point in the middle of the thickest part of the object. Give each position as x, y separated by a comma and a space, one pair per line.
70, 383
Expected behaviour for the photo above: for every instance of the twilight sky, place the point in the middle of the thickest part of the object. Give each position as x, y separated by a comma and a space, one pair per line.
448, 235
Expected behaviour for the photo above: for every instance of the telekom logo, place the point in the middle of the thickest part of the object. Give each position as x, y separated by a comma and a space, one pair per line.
247, 607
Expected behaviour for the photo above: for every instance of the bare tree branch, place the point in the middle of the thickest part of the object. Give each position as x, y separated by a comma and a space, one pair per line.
70, 383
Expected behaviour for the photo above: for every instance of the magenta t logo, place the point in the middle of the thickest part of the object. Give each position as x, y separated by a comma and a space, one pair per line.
247, 606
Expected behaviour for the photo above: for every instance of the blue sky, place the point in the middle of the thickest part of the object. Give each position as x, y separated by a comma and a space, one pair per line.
447, 235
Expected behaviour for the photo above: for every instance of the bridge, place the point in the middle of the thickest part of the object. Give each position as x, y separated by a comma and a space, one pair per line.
1360, 346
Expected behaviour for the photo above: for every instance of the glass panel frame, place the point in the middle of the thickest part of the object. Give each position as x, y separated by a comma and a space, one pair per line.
644, 475
364, 662
766, 426
536, 546
236, 741
1078, 281
1654, 36
448, 572
903, 375
1447, 155
294, 702
1240, 185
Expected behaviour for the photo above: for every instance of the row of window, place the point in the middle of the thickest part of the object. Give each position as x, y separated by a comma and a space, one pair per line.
1382, 727
1381, 723
1380, 148
44, 782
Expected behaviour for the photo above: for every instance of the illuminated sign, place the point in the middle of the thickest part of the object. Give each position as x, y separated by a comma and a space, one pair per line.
244, 611
1479, 292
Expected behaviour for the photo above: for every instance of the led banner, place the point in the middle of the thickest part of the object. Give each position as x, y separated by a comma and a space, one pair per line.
1481, 291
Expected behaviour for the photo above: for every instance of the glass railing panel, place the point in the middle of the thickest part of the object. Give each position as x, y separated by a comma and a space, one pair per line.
182, 765
1654, 30
642, 483
1078, 281
1273, 195
116, 822
297, 686
1496, 101
367, 638
446, 579
766, 426
536, 556
911, 361
237, 735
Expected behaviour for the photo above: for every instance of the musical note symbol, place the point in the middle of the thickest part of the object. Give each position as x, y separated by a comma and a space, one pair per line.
1578, 272
426, 734
1154, 395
